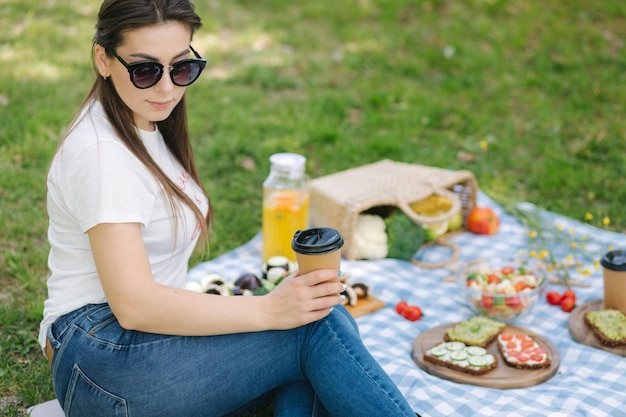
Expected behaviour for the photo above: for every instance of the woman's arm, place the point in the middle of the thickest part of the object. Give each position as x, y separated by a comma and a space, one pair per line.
139, 303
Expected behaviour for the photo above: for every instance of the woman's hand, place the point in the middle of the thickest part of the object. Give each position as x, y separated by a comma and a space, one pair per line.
302, 299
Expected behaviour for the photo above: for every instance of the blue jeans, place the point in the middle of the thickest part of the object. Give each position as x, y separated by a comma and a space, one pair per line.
321, 369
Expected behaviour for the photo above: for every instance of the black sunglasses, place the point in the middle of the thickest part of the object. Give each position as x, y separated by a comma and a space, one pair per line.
146, 74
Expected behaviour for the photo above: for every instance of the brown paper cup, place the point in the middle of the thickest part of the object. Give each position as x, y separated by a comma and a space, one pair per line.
308, 263
614, 273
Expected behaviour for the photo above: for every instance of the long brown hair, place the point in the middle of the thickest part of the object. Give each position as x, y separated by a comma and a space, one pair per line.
115, 18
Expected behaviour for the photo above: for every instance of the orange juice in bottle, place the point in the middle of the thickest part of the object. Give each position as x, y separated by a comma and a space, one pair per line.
285, 204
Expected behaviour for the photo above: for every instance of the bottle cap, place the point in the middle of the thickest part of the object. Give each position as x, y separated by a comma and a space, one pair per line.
292, 164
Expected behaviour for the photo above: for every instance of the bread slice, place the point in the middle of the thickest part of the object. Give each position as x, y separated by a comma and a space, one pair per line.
472, 360
608, 325
521, 351
476, 331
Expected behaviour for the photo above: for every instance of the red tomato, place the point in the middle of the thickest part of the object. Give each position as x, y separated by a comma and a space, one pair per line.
507, 270
520, 286
412, 313
486, 300
513, 301
506, 336
493, 279
567, 304
554, 298
523, 358
401, 306
569, 294
407, 311
537, 358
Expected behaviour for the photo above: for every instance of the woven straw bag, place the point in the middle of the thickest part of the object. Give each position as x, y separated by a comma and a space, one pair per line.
338, 199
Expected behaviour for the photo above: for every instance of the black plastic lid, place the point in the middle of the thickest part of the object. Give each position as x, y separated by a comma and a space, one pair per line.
317, 241
614, 260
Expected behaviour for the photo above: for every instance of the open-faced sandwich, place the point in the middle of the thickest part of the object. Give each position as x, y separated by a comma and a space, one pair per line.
476, 331
608, 325
521, 351
473, 360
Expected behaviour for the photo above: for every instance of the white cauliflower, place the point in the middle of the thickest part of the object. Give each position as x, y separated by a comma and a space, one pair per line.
506, 287
370, 237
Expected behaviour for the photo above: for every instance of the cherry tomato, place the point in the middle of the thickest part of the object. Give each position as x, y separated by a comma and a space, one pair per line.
520, 286
554, 298
487, 300
401, 306
567, 304
507, 270
493, 279
569, 294
408, 311
412, 313
471, 282
513, 301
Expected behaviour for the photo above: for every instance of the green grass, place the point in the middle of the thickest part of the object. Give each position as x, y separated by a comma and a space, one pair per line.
343, 82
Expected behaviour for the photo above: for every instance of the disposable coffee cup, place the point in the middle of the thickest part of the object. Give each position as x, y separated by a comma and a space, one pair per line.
317, 248
614, 273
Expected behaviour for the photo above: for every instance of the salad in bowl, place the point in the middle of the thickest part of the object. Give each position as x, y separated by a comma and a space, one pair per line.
502, 289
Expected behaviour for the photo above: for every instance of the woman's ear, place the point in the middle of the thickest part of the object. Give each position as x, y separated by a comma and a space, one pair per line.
102, 61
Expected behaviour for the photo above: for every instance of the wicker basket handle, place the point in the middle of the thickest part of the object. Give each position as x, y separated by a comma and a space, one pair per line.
443, 242
455, 209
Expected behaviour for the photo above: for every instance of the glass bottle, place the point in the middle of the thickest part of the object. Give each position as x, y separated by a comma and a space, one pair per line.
285, 204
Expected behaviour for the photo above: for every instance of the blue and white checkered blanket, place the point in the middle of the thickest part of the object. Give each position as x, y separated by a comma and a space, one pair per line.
589, 382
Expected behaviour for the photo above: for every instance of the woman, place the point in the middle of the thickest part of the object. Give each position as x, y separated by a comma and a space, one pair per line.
126, 208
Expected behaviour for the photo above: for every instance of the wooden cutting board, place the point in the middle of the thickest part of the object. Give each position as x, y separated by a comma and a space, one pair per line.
503, 377
583, 334
365, 306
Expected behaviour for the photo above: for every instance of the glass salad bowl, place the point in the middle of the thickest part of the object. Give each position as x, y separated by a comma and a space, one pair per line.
502, 289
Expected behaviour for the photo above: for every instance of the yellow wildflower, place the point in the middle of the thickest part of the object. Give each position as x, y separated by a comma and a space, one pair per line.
484, 145
588, 217
606, 221
533, 234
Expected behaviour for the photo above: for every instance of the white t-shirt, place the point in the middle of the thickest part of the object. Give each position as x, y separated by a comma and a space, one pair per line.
93, 179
